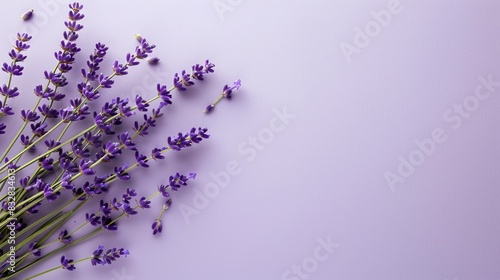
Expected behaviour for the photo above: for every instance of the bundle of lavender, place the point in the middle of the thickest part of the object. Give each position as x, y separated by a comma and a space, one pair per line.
55, 173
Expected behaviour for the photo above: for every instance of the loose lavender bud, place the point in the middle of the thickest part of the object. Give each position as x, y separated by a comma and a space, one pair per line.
27, 15
2, 128
153, 60
67, 264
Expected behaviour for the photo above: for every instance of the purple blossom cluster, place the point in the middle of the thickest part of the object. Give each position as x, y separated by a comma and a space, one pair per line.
68, 169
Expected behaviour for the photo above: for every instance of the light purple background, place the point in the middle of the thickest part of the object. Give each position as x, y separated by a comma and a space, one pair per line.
323, 174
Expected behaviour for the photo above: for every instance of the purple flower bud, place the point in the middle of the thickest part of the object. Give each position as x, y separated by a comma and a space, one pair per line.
227, 90
163, 190
153, 60
156, 227
120, 69
104, 208
167, 204
127, 196
33, 249
8, 92
108, 224
27, 15
112, 149
64, 237
144, 203
208, 67
141, 159
46, 164
179, 180
120, 172
49, 193
142, 106
84, 167
128, 210
67, 264
93, 219
164, 94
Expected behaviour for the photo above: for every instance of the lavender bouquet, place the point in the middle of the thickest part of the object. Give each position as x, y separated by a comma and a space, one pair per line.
54, 172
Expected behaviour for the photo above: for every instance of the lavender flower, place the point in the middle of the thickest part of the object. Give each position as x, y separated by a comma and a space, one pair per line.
67, 264
33, 248
141, 159
93, 219
112, 149
163, 190
113, 254
121, 173
183, 141
104, 208
8, 92
49, 193
144, 203
64, 237
178, 180
156, 227
84, 167
108, 224
96, 256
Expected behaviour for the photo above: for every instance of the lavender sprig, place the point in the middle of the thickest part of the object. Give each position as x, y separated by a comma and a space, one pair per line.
226, 92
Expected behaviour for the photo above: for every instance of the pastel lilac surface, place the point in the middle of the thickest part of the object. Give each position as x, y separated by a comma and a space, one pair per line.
336, 96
